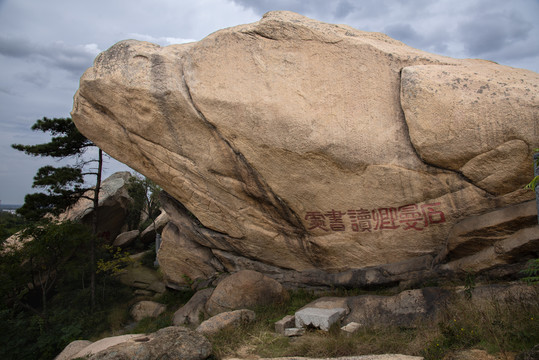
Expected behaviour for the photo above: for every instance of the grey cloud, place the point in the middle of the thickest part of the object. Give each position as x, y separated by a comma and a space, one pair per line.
344, 9
299, 6
492, 32
321, 9
8, 92
403, 32
15, 47
163, 41
74, 59
38, 78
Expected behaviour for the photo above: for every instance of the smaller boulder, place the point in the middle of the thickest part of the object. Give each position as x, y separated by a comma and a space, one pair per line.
125, 239
290, 332
350, 328
144, 309
148, 235
226, 319
190, 313
172, 342
245, 289
103, 344
73, 348
289, 321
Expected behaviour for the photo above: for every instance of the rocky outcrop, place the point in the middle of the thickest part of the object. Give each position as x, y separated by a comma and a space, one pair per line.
73, 348
125, 239
168, 343
144, 309
245, 289
194, 311
324, 173
148, 235
113, 204
224, 320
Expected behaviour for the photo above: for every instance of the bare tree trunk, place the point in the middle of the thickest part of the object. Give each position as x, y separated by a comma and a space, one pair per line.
94, 228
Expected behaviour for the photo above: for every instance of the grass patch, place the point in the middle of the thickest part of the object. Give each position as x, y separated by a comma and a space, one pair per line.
499, 327
173, 301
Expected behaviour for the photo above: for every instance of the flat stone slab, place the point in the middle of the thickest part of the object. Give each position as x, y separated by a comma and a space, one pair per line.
320, 318
351, 328
294, 332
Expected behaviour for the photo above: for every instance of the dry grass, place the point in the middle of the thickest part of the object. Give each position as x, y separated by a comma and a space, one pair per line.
498, 327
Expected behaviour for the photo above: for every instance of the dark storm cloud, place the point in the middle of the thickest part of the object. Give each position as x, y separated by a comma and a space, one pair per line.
74, 59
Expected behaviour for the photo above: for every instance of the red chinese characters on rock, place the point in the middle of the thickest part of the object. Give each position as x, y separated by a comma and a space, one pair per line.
408, 217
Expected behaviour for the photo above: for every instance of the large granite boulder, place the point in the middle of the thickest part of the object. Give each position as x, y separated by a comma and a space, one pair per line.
302, 147
245, 289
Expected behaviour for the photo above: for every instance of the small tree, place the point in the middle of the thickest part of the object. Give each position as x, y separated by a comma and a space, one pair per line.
37, 260
63, 186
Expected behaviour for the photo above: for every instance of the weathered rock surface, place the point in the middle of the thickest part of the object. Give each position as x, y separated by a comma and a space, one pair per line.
192, 312
148, 235
144, 309
226, 319
169, 343
103, 344
404, 309
245, 289
73, 348
281, 161
126, 238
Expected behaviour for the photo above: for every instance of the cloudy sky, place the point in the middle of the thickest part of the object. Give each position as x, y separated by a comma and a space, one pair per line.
45, 46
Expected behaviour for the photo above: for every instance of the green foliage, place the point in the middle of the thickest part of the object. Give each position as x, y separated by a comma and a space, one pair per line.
44, 294
66, 139
37, 260
145, 195
10, 224
116, 262
531, 272
535, 181
148, 258
496, 326
62, 186
469, 284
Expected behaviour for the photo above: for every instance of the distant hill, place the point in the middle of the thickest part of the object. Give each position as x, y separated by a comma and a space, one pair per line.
4, 207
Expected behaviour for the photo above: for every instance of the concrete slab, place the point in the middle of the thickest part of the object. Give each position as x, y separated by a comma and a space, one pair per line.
319, 318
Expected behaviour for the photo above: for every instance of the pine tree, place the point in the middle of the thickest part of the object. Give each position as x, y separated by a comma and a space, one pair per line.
63, 186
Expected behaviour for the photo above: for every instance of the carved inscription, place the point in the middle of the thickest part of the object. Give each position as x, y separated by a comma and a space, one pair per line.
408, 217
